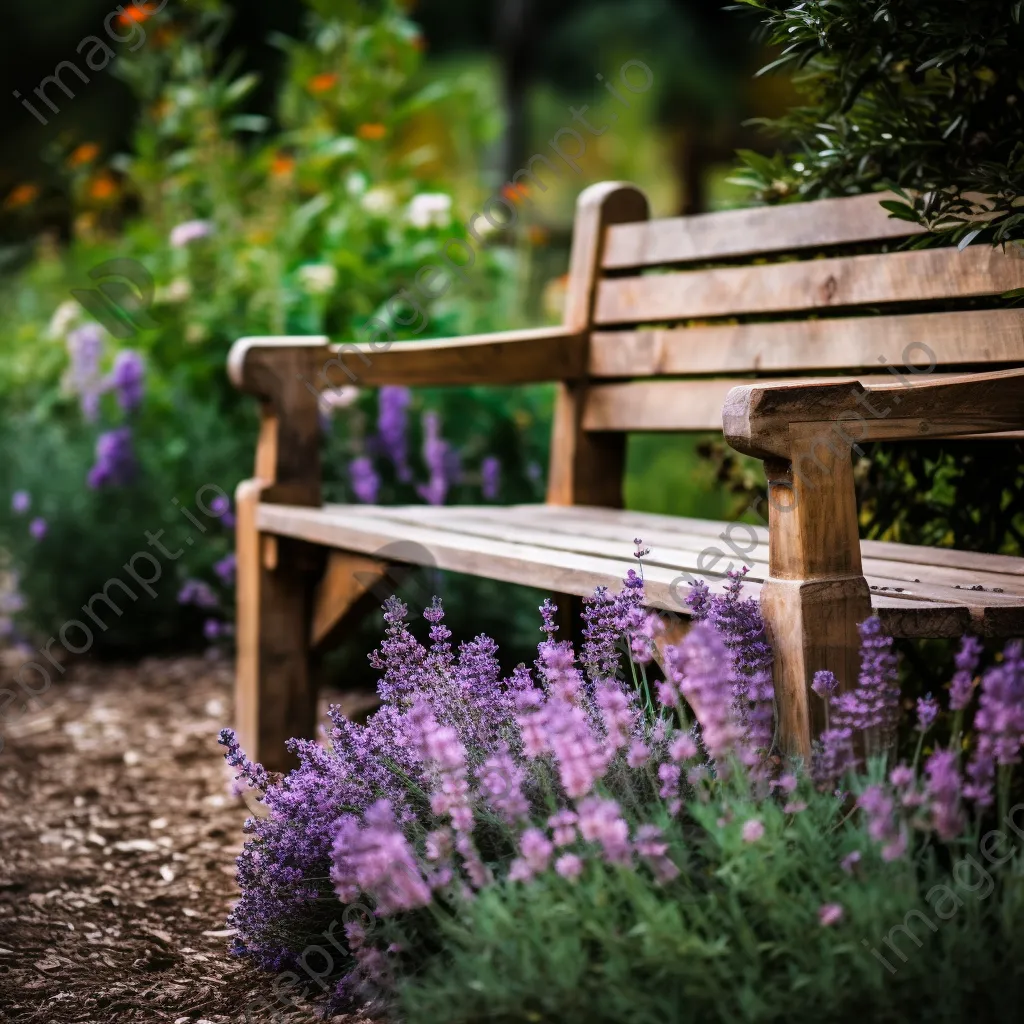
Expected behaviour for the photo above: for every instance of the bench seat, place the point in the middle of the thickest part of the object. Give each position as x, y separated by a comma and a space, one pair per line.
916, 591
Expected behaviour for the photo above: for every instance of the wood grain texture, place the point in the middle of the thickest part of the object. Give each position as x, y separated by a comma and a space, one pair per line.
759, 419
534, 552
840, 343
274, 692
697, 405
815, 594
731, 546
505, 357
762, 229
346, 579
918, 276
582, 468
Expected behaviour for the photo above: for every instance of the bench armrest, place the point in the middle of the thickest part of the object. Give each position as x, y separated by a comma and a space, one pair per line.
506, 357
763, 419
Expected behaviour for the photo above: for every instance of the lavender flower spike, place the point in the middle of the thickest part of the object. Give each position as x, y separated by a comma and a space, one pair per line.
128, 379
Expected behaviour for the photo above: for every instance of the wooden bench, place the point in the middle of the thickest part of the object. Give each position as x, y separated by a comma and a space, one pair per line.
667, 323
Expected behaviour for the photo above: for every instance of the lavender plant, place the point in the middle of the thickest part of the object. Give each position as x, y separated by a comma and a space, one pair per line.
602, 839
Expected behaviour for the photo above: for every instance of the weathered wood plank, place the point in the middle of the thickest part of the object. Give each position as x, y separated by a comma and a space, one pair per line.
840, 343
506, 357
346, 579
732, 544
696, 405
584, 469
761, 229
916, 276
667, 569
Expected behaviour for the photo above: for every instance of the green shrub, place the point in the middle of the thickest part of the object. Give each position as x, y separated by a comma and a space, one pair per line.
308, 224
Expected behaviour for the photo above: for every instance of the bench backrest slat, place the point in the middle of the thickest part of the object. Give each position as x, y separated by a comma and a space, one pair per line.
804, 285
992, 336
752, 232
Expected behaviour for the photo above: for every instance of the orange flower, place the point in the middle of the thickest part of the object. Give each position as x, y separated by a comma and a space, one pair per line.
322, 82
83, 154
513, 193
133, 13
103, 187
372, 132
537, 235
282, 165
22, 195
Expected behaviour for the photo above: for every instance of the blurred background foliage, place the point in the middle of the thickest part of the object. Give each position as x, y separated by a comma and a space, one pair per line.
287, 168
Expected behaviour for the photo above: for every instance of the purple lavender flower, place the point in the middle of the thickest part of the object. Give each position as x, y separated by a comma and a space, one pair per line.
752, 831
601, 821
962, 684
651, 846
376, 858
220, 508
211, 629
435, 450
942, 794
535, 848
128, 379
225, 569
927, 712
37, 528
189, 231
832, 757
999, 724
878, 807
393, 426
85, 348
699, 668
490, 478
850, 861
21, 501
569, 866
198, 593
874, 704
825, 684
115, 459
364, 480
563, 827
830, 914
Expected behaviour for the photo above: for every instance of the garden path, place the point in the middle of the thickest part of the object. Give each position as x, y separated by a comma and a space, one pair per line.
117, 847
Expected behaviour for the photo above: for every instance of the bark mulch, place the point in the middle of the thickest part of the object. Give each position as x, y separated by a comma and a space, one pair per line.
117, 845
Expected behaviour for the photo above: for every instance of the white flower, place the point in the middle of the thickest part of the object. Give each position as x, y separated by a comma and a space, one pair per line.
179, 290
355, 183
337, 398
190, 231
196, 333
317, 278
63, 317
430, 209
378, 201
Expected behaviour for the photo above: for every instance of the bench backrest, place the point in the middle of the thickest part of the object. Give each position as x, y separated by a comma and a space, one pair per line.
679, 310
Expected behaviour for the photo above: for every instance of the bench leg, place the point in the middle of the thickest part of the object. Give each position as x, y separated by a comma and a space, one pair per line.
815, 594
275, 698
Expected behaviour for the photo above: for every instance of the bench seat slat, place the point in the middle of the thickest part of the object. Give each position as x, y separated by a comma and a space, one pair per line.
477, 542
899, 580
892, 550
678, 548
842, 282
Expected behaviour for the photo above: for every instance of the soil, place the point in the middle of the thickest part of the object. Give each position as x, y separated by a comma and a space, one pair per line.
118, 837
